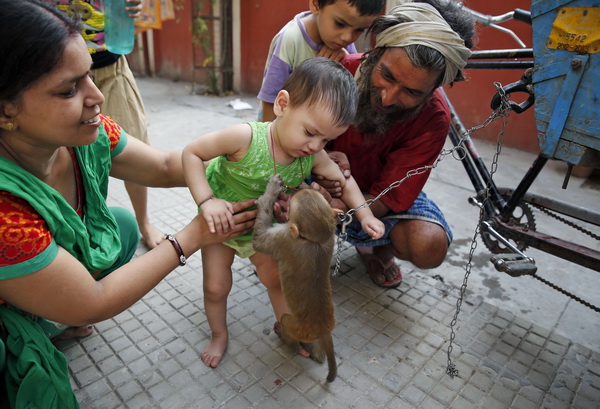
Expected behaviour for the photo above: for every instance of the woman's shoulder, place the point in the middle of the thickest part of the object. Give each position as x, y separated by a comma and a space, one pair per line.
112, 129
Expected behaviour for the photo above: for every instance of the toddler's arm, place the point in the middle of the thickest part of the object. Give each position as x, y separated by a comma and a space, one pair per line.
353, 197
351, 194
231, 141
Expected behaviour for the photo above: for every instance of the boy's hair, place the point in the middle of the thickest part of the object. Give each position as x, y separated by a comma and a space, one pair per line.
364, 7
321, 80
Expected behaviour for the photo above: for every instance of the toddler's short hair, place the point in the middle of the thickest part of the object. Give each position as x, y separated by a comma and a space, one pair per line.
321, 80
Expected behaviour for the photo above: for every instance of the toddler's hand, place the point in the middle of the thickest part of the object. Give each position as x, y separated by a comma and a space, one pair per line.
373, 227
219, 215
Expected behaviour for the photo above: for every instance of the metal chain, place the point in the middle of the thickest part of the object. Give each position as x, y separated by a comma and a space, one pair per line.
565, 221
346, 218
565, 292
551, 284
501, 112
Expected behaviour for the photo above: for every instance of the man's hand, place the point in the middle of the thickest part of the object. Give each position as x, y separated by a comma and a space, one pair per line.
281, 207
333, 186
335, 55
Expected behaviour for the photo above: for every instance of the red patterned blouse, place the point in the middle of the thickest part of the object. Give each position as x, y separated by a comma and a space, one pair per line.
23, 233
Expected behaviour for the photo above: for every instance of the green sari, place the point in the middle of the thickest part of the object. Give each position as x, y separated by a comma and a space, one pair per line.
36, 372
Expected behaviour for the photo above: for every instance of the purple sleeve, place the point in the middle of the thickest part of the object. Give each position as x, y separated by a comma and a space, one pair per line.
275, 75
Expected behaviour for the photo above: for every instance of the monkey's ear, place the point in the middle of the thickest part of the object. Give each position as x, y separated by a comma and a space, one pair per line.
294, 232
281, 102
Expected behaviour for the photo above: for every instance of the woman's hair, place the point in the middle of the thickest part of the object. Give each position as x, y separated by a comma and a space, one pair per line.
33, 37
320, 80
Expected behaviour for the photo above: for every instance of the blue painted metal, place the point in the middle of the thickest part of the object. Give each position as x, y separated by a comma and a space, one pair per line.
567, 91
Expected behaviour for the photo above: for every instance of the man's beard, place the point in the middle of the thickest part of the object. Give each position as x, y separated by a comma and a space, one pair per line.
369, 121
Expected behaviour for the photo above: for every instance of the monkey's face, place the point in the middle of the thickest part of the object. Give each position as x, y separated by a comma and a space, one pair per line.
312, 216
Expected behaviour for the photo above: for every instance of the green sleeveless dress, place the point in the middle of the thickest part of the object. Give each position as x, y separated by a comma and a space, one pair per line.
248, 178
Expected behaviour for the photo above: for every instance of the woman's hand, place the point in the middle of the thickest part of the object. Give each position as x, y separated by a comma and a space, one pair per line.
243, 221
84, 301
134, 8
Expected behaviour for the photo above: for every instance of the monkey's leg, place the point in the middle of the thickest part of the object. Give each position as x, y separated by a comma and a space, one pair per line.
326, 342
294, 331
283, 333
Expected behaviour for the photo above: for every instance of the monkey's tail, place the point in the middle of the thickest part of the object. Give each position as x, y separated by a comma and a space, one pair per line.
327, 346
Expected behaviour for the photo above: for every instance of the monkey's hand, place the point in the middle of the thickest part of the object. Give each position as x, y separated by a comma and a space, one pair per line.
274, 188
219, 215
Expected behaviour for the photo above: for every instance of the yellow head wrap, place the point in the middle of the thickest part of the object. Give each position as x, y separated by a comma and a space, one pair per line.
427, 27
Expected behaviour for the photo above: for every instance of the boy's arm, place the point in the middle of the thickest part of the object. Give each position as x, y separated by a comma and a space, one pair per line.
267, 112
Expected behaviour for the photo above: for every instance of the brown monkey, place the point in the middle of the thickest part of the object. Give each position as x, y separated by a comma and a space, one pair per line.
303, 248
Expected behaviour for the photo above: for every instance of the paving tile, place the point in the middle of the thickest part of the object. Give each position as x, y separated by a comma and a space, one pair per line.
391, 345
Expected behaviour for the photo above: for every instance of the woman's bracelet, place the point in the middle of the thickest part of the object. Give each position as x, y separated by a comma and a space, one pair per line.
178, 249
205, 200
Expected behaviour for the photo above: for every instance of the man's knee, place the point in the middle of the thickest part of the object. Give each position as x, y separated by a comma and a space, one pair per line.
424, 244
432, 255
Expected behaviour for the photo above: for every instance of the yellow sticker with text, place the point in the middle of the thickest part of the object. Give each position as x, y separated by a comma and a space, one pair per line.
576, 29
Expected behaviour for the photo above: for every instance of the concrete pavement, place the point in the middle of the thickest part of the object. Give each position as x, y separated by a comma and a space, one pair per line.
519, 344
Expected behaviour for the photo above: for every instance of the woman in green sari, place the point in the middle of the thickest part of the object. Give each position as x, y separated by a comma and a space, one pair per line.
64, 254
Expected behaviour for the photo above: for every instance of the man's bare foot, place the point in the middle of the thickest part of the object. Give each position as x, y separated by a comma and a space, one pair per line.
75, 332
213, 353
151, 236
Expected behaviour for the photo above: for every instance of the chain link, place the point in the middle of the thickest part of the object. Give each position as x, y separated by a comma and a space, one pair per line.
413, 172
501, 112
565, 221
459, 152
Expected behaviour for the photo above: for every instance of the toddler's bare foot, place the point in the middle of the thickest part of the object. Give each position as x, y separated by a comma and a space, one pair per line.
213, 353
151, 236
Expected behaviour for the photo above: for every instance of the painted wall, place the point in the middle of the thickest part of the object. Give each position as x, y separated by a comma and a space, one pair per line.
260, 21
173, 46
257, 21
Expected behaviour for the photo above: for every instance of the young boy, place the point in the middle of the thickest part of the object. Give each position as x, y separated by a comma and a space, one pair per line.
317, 104
329, 30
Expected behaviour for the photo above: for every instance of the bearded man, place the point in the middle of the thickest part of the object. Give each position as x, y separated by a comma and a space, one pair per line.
401, 125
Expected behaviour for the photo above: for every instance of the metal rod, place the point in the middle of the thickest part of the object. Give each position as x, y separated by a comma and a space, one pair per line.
506, 53
500, 65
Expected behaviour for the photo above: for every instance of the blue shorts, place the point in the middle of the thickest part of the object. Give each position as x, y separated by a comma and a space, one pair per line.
422, 209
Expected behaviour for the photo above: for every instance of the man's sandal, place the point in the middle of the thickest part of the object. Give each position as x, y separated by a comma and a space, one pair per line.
379, 269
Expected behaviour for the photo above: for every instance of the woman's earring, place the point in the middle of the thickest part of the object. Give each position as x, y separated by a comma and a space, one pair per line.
10, 126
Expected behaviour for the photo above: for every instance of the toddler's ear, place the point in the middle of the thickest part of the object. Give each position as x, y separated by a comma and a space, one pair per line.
281, 103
